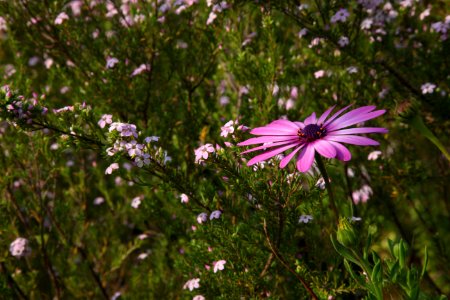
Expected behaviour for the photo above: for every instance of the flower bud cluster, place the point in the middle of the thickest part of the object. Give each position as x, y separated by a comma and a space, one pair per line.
18, 108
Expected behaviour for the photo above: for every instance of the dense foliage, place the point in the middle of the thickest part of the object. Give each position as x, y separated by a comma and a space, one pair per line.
121, 170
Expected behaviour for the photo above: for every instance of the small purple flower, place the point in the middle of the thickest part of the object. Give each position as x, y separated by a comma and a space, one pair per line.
134, 149
215, 214
199, 297
150, 139
202, 218
324, 135
343, 41
106, 119
340, 16
305, 219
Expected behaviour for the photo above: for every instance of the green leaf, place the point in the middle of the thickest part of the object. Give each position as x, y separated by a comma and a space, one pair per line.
343, 251
425, 263
376, 275
418, 124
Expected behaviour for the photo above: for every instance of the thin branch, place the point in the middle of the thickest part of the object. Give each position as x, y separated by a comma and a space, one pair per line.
283, 262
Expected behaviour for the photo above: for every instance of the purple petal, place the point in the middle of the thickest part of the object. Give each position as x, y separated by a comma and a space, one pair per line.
300, 125
359, 130
285, 123
342, 123
288, 157
266, 130
325, 115
352, 139
336, 115
311, 119
325, 148
270, 146
306, 158
266, 139
342, 153
270, 154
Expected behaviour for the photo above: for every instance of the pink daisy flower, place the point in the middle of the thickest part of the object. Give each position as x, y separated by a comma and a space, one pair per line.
314, 134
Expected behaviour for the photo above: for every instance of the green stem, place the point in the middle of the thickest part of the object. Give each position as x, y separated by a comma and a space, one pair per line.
324, 173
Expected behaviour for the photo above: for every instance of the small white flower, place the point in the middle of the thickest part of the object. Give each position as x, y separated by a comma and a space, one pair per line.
111, 168
116, 295
228, 128
192, 284
136, 202
350, 173
142, 68
111, 62
319, 74
198, 297
61, 18
355, 219
99, 200
374, 155
428, 88
202, 152
352, 70
143, 255
20, 247
320, 183
219, 265
184, 198
212, 16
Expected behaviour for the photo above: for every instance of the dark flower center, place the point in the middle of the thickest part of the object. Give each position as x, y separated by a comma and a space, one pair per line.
311, 132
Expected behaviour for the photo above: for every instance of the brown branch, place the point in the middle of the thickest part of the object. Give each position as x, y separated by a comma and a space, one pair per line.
283, 262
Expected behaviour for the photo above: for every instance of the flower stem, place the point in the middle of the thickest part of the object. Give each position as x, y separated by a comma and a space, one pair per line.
324, 173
